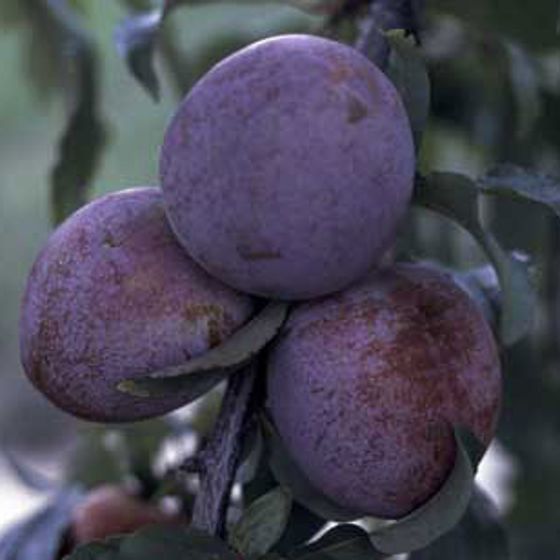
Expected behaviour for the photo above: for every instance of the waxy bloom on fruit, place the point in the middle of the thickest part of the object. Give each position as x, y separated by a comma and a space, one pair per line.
366, 386
288, 167
113, 295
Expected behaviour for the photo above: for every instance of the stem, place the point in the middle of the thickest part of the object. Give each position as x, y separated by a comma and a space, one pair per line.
217, 462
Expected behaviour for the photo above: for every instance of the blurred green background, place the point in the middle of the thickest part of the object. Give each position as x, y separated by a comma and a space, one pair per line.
495, 70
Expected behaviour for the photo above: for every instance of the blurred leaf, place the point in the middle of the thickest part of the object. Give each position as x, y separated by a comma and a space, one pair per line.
456, 197
408, 73
171, 543
316, 6
480, 535
288, 474
262, 524
91, 463
27, 475
344, 542
135, 39
439, 514
84, 138
517, 182
105, 550
525, 87
40, 536
203, 372
533, 24
482, 285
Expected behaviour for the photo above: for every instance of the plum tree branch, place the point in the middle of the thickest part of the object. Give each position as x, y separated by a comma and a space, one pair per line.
218, 460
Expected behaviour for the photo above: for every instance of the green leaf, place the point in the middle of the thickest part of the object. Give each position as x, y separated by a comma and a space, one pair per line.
84, 138
344, 542
407, 70
171, 543
136, 38
262, 524
40, 535
439, 514
288, 474
200, 374
517, 182
480, 535
456, 197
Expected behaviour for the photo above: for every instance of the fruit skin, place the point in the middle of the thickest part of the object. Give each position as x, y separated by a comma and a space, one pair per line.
365, 386
287, 168
113, 295
110, 510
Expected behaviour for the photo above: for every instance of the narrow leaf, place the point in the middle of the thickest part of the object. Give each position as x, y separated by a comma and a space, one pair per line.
200, 374
517, 182
288, 474
437, 516
407, 70
344, 542
262, 524
136, 39
525, 86
84, 137
456, 197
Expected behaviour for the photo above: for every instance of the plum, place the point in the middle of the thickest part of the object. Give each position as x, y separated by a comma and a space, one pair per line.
113, 295
110, 510
366, 386
287, 168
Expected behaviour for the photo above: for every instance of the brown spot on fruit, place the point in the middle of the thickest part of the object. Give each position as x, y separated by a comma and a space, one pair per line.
356, 110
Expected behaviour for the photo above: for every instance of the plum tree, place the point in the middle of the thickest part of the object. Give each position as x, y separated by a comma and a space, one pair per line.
110, 510
365, 387
288, 166
113, 295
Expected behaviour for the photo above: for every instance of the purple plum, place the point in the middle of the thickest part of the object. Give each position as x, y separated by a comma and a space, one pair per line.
287, 168
366, 386
112, 295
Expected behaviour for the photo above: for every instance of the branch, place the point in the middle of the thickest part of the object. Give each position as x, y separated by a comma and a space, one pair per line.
218, 460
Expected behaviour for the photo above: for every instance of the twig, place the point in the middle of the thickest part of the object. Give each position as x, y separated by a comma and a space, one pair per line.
217, 462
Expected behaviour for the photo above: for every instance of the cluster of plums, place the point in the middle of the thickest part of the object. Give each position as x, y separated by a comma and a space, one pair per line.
284, 175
